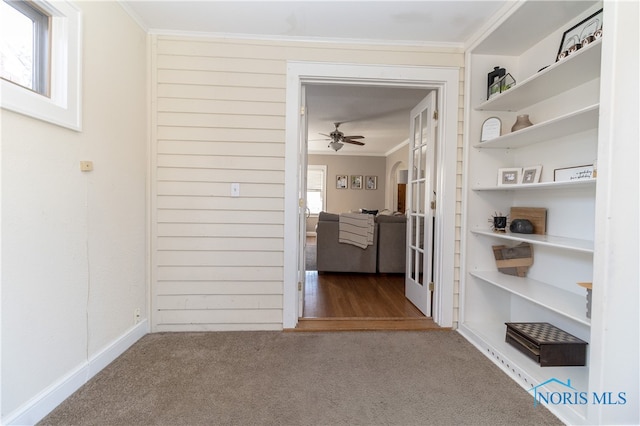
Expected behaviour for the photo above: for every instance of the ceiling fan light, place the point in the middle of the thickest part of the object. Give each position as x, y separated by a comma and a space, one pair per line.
336, 145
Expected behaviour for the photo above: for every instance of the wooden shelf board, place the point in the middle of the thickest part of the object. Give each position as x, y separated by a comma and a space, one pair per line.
577, 69
574, 244
565, 303
575, 122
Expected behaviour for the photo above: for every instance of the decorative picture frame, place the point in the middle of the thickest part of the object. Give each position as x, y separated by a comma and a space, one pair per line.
580, 35
509, 176
356, 182
491, 129
531, 174
568, 174
342, 181
371, 182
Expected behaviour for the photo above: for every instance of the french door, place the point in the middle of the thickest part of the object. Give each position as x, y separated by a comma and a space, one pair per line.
302, 199
421, 204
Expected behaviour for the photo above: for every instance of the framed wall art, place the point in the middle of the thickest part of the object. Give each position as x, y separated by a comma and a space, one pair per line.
356, 182
371, 182
342, 181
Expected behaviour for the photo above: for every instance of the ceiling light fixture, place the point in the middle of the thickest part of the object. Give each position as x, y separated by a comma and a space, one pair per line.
335, 145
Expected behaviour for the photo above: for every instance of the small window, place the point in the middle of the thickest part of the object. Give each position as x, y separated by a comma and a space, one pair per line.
40, 60
25, 45
316, 188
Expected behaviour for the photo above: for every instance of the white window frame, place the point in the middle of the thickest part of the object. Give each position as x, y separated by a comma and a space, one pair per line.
323, 192
63, 107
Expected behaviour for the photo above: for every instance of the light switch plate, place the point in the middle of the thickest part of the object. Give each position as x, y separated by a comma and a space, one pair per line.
86, 166
235, 189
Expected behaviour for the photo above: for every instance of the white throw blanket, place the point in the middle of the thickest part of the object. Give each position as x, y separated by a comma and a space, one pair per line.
356, 229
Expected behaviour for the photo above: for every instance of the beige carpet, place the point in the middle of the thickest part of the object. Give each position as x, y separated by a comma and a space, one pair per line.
278, 378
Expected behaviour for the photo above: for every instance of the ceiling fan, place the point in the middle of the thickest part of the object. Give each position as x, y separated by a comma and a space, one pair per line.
338, 139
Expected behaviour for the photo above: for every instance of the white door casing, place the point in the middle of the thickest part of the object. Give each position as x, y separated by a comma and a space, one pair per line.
445, 80
302, 199
421, 204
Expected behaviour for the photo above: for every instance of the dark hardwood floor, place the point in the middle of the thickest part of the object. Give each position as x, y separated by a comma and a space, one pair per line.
338, 301
334, 295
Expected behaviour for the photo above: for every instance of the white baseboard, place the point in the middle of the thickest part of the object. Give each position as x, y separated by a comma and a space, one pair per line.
42, 404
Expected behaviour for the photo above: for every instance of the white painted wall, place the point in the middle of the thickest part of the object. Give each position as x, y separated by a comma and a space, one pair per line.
345, 200
74, 244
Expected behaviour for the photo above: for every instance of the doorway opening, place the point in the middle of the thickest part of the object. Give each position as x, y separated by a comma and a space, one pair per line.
445, 82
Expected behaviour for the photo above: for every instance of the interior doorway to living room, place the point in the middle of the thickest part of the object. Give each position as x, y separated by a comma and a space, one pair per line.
442, 79
377, 117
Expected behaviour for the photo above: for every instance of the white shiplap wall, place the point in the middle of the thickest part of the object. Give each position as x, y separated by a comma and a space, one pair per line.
218, 117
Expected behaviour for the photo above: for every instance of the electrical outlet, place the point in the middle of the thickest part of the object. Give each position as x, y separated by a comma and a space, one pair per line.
86, 166
136, 315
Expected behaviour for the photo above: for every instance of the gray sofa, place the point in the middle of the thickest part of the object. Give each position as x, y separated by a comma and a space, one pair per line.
386, 255
392, 243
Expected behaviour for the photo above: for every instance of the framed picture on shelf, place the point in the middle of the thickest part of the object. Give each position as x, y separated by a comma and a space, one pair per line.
342, 181
371, 182
509, 176
531, 174
491, 129
356, 182
580, 35
573, 173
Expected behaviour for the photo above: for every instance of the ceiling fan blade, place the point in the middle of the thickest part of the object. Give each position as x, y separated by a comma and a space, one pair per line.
345, 140
353, 137
323, 134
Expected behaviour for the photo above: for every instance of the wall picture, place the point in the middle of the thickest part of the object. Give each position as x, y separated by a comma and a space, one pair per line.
356, 182
342, 181
371, 182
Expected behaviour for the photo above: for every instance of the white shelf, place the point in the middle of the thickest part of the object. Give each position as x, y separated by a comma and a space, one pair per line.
565, 303
529, 23
575, 122
494, 335
490, 339
584, 246
541, 185
571, 72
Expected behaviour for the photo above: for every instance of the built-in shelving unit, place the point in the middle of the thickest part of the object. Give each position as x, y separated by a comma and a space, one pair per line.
565, 97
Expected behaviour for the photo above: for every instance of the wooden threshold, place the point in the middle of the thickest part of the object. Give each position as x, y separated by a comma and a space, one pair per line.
366, 324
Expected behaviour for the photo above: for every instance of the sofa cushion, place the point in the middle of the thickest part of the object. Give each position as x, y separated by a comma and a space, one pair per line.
391, 219
328, 217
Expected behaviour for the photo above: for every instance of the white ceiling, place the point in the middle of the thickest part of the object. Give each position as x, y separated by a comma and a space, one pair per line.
379, 114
